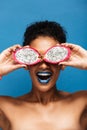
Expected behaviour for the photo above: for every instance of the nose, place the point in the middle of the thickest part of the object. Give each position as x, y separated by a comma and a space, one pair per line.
44, 65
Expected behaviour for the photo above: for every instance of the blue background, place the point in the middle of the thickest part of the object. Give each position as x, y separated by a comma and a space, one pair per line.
16, 15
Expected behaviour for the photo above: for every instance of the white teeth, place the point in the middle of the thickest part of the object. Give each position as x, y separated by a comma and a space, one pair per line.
43, 73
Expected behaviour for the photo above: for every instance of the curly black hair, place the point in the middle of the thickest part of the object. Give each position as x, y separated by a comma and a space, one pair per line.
44, 28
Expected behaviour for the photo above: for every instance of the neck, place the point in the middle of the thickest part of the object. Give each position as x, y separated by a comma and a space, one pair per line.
45, 97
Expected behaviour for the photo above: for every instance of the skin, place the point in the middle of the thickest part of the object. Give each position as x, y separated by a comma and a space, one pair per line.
45, 107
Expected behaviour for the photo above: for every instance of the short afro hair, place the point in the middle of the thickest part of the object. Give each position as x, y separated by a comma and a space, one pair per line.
44, 28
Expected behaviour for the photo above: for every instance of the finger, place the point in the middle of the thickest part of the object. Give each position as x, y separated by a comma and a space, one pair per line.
17, 66
64, 63
72, 46
62, 67
58, 44
9, 50
13, 48
65, 44
26, 46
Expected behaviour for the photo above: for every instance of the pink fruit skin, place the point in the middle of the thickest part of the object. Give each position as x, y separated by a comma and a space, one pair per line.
18, 61
66, 58
45, 59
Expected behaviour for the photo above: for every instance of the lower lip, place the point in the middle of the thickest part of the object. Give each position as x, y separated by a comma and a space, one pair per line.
44, 81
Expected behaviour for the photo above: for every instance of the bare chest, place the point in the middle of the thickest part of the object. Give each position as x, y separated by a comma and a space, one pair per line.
42, 125
67, 121
58, 117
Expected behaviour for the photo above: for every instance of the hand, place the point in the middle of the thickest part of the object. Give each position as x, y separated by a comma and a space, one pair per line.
78, 57
7, 63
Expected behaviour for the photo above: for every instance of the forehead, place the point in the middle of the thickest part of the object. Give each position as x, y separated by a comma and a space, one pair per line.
43, 43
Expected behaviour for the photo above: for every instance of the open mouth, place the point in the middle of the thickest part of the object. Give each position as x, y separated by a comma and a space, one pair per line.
44, 77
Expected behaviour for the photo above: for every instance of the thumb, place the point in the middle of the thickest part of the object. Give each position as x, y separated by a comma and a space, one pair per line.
65, 63
17, 66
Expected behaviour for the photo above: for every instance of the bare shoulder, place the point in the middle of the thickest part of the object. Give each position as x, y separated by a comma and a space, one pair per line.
7, 100
78, 97
4, 99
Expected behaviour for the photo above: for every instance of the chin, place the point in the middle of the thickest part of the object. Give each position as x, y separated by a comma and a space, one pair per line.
44, 88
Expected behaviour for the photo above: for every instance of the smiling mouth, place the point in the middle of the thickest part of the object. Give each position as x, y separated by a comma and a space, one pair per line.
44, 77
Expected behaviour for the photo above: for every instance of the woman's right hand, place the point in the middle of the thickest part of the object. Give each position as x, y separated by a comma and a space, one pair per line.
7, 63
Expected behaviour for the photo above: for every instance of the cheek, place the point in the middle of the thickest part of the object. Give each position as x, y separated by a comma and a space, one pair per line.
56, 70
31, 70
57, 74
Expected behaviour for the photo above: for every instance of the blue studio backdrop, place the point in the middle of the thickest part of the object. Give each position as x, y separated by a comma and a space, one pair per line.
16, 15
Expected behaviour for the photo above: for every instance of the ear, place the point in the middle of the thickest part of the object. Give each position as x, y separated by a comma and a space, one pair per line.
63, 67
